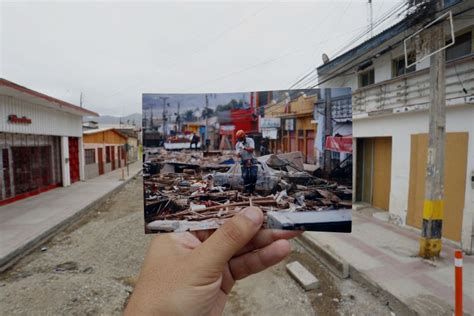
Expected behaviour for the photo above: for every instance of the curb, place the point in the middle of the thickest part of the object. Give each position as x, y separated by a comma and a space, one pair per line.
324, 253
14, 256
344, 270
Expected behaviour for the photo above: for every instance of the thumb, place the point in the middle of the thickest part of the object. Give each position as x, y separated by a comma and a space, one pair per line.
221, 246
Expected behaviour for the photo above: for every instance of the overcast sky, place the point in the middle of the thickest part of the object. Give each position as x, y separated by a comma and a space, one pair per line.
113, 52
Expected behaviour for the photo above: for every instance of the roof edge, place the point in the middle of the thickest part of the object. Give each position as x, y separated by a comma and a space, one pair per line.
10, 84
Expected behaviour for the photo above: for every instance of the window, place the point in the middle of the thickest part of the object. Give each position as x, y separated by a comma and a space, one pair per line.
461, 47
366, 78
90, 156
398, 65
108, 149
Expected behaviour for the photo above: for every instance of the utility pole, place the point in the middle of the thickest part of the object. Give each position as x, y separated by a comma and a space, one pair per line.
151, 117
370, 18
433, 208
81, 99
327, 131
178, 119
207, 121
165, 125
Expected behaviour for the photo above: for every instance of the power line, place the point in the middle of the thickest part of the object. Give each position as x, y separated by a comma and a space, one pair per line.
261, 63
377, 23
313, 70
333, 74
357, 37
270, 60
386, 16
198, 50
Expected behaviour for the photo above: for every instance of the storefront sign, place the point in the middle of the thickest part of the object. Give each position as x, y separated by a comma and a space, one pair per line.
227, 129
339, 144
270, 133
270, 122
12, 118
290, 124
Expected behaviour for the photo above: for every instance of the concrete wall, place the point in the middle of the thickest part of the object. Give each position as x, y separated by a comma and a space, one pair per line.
91, 171
400, 127
44, 121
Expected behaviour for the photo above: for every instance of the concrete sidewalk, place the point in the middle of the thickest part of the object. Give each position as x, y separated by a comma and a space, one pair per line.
384, 257
27, 223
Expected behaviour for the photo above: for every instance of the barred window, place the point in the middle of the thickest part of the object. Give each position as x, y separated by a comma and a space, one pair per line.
90, 156
398, 65
366, 78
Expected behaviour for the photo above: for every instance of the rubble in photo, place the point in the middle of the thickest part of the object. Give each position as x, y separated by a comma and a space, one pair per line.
195, 190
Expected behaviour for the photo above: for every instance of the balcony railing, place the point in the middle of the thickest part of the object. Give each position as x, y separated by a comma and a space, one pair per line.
411, 92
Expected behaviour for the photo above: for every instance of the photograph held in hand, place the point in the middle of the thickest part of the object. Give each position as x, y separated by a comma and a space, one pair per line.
209, 156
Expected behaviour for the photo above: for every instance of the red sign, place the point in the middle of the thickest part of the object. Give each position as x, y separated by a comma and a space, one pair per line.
12, 118
339, 144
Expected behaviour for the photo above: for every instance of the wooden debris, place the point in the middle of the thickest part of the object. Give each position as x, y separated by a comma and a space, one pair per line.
178, 189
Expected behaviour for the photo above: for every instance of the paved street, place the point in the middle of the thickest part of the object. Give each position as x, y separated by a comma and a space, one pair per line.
91, 268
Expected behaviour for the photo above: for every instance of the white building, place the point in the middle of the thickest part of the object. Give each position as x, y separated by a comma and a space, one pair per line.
390, 124
40, 142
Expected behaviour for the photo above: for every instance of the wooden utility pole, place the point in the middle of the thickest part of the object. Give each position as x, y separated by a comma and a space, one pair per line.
178, 119
433, 208
165, 116
207, 122
327, 131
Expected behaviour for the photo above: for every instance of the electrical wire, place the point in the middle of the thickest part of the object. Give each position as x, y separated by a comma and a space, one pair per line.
357, 37
313, 70
390, 13
333, 74
198, 50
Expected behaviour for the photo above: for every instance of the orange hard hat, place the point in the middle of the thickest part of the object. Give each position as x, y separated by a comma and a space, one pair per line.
240, 133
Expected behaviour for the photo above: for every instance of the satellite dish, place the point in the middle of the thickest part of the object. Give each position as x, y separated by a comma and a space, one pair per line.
325, 58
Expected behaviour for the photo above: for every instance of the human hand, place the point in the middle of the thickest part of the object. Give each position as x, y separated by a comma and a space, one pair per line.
249, 149
193, 274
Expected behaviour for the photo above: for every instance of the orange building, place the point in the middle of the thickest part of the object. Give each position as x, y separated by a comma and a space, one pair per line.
104, 151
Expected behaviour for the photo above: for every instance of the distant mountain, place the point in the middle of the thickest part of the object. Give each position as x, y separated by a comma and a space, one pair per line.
109, 119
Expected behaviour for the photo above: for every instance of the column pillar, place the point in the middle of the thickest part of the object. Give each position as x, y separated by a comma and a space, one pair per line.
66, 175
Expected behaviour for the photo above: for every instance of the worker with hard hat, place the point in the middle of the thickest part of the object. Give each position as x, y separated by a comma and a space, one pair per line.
245, 148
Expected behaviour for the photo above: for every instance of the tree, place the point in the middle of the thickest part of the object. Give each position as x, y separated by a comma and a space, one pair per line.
189, 116
207, 112
222, 108
232, 105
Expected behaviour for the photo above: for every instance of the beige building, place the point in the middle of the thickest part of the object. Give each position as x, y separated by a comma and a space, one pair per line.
104, 151
391, 119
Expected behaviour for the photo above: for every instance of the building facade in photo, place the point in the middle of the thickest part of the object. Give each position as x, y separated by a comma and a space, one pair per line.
296, 128
341, 129
390, 123
104, 151
40, 142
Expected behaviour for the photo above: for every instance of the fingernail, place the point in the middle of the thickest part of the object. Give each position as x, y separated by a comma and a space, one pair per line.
254, 214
